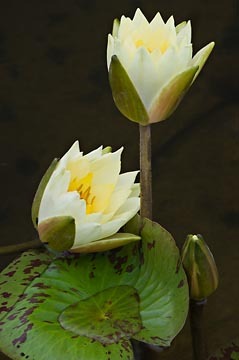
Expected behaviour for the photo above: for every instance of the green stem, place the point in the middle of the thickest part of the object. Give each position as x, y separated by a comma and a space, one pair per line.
197, 330
141, 350
145, 171
20, 247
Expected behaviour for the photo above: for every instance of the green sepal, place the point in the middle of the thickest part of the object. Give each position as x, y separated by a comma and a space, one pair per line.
125, 95
58, 232
200, 267
115, 29
168, 99
107, 150
40, 191
201, 57
111, 242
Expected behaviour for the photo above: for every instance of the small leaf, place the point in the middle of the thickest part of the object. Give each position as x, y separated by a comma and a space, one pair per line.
58, 232
170, 96
114, 241
107, 316
125, 95
40, 191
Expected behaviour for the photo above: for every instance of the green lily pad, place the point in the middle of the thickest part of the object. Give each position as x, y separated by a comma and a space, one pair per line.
116, 315
143, 281
227, 352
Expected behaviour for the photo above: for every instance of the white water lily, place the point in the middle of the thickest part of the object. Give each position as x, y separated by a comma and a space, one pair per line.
151, 66
84, 200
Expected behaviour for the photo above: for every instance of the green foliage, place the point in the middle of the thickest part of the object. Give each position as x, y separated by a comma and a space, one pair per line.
227, 352
92, 305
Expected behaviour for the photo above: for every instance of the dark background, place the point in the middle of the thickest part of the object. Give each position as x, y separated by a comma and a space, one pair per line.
54, 89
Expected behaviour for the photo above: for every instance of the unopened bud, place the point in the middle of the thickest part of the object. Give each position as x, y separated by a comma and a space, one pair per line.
200, 267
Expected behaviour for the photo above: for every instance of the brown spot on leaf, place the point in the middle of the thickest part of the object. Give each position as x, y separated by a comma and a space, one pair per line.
151, 245
129, 268
178, 265
181, 284
91, 275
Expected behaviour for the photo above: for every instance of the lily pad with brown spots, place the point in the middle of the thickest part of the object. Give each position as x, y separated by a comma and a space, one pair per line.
91, 306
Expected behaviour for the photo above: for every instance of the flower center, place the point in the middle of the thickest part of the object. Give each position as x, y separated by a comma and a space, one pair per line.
163, 46
83, 187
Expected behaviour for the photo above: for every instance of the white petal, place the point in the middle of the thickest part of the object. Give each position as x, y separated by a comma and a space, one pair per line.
135, 190
122, 191
142, 73
125, 28
68, 204
171, 63
110, 49
128, 209
86, 233
156, 22
185, 34
139, 19
94, 155
106, 169
71, 154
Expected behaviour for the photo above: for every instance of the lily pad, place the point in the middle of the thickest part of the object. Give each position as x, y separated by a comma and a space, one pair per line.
116, 315
93, 304
227, 352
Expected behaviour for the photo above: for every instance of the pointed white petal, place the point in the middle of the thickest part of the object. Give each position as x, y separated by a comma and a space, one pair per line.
73, 152
139, 19
106, 169
156, 22
94, 155
144, 80
110, 49
185, 34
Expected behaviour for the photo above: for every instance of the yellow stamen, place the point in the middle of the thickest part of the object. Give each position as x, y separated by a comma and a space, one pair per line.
83, 187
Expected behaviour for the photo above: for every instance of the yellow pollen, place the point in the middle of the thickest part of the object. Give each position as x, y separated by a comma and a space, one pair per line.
83, 187
162, 47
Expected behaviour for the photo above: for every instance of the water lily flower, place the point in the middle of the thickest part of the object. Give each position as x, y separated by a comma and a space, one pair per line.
151, 66
83, 201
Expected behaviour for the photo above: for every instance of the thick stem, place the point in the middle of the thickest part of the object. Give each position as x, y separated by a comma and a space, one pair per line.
145, 171
197, 331
20, 247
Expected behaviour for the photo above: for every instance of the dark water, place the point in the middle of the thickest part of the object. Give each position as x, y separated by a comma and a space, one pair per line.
54, 89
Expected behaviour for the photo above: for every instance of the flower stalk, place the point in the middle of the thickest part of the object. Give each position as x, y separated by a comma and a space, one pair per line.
197, 329
11, 249
145, 171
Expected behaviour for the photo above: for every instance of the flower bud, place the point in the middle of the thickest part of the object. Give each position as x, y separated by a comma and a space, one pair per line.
151, 66
200, 267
